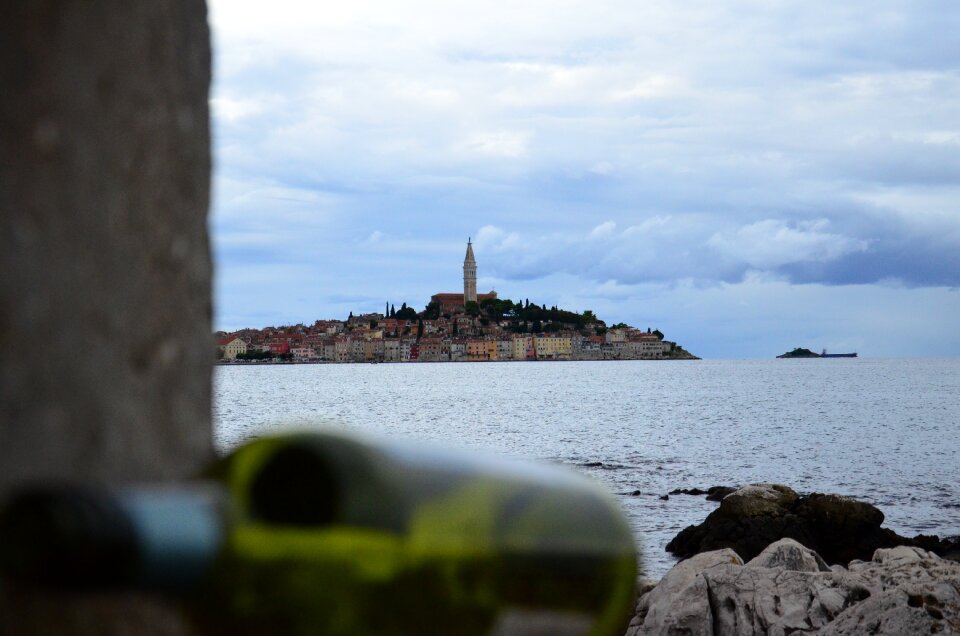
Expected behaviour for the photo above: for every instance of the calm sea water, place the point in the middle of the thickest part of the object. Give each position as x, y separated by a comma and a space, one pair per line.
884, 431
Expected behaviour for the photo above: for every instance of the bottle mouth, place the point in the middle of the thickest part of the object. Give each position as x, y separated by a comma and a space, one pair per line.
67, 537
295, 487
87, 539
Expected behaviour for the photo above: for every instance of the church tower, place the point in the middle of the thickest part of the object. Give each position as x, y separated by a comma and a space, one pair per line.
469, 276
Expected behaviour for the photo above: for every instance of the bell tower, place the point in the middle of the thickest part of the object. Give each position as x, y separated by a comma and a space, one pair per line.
469, 275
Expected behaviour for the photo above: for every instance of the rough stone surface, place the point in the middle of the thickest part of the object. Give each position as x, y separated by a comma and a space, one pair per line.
926, 608
105, 270
759, 500
787, 554
679, 601
717, 493
838, 528
787, 589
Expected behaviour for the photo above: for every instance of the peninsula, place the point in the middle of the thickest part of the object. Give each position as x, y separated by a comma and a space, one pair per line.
453, 327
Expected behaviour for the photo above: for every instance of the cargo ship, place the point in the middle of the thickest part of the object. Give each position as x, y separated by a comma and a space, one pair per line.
838, 355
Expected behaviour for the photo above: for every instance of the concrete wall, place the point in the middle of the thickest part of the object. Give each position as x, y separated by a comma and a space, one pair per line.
105, 345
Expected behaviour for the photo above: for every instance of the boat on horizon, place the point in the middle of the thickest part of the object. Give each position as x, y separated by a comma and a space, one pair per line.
838, 355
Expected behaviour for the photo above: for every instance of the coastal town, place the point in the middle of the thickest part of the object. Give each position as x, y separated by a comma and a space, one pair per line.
453, 327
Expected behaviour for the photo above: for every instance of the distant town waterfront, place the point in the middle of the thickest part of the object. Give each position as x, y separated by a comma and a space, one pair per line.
373, 338
453, 327
883, 431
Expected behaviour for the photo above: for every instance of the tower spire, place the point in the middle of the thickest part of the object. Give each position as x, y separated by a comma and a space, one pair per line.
469, 275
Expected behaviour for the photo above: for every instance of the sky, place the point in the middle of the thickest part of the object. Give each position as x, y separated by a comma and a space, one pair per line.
747, 176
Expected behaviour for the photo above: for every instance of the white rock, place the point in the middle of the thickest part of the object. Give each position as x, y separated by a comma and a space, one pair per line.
788, 554
680, 600
922, 608
758, 600
901, 555
788, 589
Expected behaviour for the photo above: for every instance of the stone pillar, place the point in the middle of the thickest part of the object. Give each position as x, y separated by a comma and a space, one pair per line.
105, 343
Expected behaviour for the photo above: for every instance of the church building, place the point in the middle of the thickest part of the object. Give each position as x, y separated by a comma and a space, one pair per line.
454, 303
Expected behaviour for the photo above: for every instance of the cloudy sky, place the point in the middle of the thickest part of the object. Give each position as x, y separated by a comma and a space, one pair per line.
746, 176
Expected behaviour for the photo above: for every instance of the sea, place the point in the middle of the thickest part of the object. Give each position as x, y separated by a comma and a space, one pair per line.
885, 431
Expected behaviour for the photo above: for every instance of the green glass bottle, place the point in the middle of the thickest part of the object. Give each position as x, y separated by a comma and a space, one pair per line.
319, 533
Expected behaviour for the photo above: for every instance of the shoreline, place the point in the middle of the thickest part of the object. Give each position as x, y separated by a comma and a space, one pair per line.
768, 560
230, 363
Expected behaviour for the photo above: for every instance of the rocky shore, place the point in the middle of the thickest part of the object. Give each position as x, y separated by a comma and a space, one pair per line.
770, 561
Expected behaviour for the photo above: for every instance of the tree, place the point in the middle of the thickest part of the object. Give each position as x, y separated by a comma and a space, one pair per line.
419, 328
658, 334
406, 313
373, 324
393, 312
432, 311
472, 308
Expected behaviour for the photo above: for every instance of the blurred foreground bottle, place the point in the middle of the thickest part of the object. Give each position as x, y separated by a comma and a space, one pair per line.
325, 534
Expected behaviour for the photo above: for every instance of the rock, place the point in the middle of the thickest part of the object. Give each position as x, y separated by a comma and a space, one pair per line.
747, 521
717, 493
900, 555
921, 609
787, 554
758, 600
787, 589
680, 601
644, 586
918, 593
688, 491
758, 500
664, 497
840, 529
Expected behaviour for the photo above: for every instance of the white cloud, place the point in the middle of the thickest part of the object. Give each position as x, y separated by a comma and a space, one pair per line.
234, 110
493, 239
772, 243
651, 87
504, 143
605, 229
